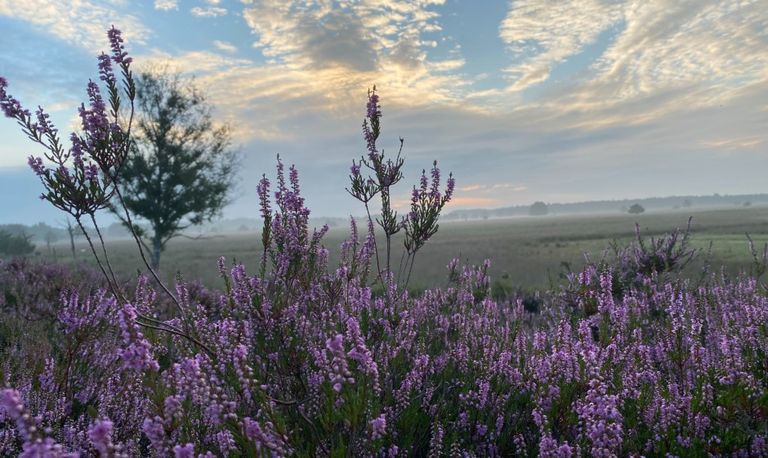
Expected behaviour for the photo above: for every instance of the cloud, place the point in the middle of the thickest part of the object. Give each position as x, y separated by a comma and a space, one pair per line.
599, 98
541, 35
360, 36
640, 60
318, 37
694, 45
734, 143
321, 59
494, 187
208, 12
225, 46
81, 23
166, 5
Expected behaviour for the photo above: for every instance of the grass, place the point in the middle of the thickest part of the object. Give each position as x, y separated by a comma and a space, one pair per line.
526, 253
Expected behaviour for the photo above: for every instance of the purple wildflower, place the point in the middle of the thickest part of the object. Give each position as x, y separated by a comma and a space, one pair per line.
184, 451
378, 427
119, 56
105, 69
36, 164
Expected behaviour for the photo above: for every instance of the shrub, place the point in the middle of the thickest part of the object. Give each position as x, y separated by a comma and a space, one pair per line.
538, 209
301, 359
15, 245
636, 209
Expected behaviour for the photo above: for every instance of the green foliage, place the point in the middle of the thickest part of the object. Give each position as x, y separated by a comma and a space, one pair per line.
15, 245
181, 167
636, 209
538, 208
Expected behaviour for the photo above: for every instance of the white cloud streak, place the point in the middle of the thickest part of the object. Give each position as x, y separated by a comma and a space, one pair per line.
208, 12
225, 46
166, 5
80, 23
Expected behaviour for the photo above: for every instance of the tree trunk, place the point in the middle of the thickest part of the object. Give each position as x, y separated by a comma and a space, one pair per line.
71, 232
157, 248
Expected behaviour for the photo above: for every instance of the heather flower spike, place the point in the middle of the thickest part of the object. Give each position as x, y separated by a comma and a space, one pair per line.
426, 206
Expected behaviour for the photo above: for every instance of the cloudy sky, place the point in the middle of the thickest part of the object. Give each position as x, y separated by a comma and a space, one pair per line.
523, 100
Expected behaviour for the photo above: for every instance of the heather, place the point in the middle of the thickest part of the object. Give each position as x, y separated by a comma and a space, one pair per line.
294, 356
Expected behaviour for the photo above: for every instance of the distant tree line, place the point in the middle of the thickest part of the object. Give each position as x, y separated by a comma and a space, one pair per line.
616, 206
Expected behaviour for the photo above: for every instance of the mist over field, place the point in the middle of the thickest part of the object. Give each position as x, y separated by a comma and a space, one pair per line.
386, 228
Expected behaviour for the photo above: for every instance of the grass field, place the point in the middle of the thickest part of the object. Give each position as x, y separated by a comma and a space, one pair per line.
525, 252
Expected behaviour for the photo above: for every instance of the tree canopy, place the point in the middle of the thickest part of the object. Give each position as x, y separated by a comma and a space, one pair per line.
636, 209
538, 209
181, 167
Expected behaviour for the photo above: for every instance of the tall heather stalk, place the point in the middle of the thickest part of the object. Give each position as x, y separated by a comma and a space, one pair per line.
426, 204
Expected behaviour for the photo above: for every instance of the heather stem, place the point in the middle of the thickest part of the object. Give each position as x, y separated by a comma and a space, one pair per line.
98, 260
410, 269
144, 257
104, 249
375, 245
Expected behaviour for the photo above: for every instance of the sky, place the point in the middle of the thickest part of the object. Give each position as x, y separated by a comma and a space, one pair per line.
523, 100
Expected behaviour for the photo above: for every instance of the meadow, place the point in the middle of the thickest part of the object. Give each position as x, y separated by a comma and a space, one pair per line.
526, 253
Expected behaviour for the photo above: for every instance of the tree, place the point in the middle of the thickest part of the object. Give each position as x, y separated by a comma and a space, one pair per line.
538, 209
15, 244
72, 233
636, 209
180, 168
50, 237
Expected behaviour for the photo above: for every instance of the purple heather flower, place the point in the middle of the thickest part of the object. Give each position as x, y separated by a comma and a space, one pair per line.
105, 69
451, 184
433, 190
354, 170
263, 193
91, 172
119, 56
12, 107
76, 150
137, 354
44, 125
372, 108
370, 142
423, 181
184, 451
339, 366
100, 435
11, 403
36, 164
378, 427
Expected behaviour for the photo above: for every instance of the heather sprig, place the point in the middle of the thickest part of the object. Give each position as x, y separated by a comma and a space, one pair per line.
426, 205
83, 179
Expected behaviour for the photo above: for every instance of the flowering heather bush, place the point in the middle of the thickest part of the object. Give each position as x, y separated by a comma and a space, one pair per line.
302, 359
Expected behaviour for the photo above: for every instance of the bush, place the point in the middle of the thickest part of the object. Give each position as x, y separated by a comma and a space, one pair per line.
538, 209
15, 245
636, 209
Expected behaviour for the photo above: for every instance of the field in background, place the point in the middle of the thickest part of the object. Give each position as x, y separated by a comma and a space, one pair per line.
525, 252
